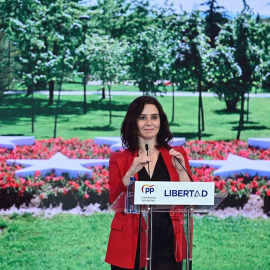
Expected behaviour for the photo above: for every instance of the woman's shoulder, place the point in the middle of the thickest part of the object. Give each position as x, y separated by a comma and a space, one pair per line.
120, 154
178, 148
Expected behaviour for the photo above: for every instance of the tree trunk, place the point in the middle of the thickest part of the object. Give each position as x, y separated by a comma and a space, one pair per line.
56, 113
52, 82
241, 119
247, 106
173, 102
200, 113
33, 112
231, 105
110, 102
58, 101
103, 92
29, 90
51, 91
199, 119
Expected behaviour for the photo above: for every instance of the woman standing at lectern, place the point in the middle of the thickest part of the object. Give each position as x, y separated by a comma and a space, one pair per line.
146, 124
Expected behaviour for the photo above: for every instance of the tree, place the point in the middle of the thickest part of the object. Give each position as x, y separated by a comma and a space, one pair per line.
61, 35
144, 61
170, 23
186, 46
224, 73
232, 64
107, 62
190, 62
215, 16
119, 20
263, 68
44, 32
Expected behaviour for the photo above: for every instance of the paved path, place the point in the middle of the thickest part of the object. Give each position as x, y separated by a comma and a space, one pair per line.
137, 93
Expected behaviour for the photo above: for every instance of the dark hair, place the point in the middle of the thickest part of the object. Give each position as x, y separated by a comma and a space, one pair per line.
129, 129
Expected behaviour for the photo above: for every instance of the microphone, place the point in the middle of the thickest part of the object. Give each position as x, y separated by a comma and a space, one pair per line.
146, 148
190, 177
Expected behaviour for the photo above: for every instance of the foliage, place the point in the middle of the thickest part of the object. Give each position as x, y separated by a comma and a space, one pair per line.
224, 72
262, 69
121, 19
189, 50
106, 61
191, 54
215, 16
45, 38
7, 53
231, 65
144, 60
163, 45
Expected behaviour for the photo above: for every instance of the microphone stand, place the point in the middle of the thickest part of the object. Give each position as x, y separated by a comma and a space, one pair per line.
139, 239
188, 259
150, 224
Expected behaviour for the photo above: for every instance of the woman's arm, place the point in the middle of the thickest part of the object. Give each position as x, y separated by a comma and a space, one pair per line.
115, 179
119, 173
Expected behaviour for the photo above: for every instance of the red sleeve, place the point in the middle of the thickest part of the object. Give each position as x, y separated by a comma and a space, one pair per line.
115, 178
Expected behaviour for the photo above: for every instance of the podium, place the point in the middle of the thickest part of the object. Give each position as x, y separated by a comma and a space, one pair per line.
180, 200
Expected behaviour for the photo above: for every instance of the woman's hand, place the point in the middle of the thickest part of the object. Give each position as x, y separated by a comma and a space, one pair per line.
137, 164
183, 175
175, 163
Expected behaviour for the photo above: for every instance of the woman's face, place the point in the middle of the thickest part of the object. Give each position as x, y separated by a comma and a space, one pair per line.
148, 122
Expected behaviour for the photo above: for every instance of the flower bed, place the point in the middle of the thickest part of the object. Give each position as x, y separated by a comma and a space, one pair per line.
83, 190
238, 187
52, 189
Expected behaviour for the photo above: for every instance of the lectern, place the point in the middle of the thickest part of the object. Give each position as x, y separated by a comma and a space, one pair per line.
180, 200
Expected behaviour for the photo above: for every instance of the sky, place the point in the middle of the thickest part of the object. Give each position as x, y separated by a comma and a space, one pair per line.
233, 6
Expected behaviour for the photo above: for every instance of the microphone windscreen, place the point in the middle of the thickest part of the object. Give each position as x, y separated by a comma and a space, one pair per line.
146, 147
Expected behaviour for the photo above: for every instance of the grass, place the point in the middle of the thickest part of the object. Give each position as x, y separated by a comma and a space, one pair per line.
15, 111
74, 242
233, 243
63, 242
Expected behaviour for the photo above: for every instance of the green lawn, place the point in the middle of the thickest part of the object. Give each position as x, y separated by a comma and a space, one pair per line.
15, 111
73, 242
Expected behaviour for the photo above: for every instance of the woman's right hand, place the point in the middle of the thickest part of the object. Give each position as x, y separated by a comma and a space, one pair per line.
137, 164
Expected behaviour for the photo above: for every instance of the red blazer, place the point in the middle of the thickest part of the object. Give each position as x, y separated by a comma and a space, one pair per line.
122, 245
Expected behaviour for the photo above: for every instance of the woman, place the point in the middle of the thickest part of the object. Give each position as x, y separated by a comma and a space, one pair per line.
145, 124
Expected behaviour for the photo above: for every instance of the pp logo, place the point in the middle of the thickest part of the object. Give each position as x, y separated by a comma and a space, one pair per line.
147, 189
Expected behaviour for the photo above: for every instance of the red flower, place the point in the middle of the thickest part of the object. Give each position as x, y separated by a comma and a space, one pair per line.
37, 173
241, 186
254, 184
